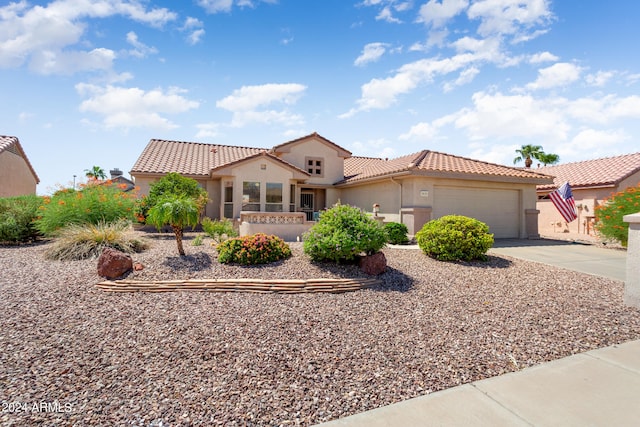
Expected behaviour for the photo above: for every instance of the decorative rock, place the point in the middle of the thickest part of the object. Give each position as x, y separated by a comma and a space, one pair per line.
137, 266
113, 263
373, 264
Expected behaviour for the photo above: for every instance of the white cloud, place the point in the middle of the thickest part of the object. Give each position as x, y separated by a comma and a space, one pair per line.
597, 143
208, 130
465, 77
501, 116
387, 15
140, 50
194, 29
420, 132
45, 36
600, 78
559, 74
509, 16
248, 104
542, 57
437, 13
605, 109
371, 53
218, 6
133, 107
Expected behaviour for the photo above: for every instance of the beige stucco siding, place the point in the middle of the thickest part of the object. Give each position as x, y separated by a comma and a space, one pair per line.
386, 193
262, 170
16, 178
333, 168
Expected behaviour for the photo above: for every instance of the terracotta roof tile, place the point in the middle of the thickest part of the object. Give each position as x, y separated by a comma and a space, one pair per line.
431, 162
194, 158
605, 172
11, 143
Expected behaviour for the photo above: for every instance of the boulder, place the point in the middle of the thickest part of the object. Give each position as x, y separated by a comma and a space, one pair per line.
113, 263
373, 264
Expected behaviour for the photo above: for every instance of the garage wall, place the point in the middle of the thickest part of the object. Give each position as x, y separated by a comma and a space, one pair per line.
499, 209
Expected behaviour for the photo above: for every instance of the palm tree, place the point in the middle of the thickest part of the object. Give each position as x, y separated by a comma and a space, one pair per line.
95, 172
178, 212
527, 152
549, 159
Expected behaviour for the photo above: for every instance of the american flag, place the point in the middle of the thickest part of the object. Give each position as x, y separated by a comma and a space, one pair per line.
562, 198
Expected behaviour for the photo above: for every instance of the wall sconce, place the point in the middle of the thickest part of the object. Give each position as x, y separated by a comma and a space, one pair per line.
376, 209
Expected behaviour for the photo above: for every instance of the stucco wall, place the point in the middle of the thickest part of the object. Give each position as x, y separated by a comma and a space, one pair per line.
333, 164
385, 193
16, 178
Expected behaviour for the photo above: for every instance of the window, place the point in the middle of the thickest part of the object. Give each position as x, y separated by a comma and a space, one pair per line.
251, 196
274, 197
315, 166
228, 199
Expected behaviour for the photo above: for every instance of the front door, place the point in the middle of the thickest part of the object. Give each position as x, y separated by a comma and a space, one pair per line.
306, 204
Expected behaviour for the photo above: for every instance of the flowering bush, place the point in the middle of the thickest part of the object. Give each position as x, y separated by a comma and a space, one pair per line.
256, 249
342, 233
609, 223
92, 204
455, 237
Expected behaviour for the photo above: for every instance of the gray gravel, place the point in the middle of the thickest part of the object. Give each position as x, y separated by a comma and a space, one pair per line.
71, 354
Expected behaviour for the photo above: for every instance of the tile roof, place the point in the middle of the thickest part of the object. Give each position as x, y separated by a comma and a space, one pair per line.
194, 158
432, 162
279, 147
605, 172
11, 143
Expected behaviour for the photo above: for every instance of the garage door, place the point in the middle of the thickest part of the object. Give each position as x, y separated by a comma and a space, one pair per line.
498, 208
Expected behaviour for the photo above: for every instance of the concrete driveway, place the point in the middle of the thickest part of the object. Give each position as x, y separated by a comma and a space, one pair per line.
585, 258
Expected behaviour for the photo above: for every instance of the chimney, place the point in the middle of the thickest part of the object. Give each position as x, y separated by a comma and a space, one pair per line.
115, 172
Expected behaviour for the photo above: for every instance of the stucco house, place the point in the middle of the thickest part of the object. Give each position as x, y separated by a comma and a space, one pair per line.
591, 182
17, 176
299, 178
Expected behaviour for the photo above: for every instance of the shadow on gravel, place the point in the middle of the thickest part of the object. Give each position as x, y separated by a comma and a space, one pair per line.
394, 280
493, 261
193, 262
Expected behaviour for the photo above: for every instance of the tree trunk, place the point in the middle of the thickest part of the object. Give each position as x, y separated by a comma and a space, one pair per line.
178, 232
527, 162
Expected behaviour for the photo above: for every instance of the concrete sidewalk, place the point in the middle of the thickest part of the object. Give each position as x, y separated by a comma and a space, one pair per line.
597, 388
580, 257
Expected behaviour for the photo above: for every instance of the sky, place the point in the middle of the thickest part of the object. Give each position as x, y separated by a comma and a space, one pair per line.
89, 83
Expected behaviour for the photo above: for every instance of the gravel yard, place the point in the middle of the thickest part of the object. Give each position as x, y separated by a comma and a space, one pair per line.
71, 354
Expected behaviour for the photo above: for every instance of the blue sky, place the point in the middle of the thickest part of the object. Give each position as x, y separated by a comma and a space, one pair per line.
87, 83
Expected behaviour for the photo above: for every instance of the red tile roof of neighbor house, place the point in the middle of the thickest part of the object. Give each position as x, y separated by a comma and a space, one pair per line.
11, 143
431, 162
605, 172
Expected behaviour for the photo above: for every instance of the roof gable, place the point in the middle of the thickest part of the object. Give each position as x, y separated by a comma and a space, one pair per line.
604, 172
433, 163
223, 169
12, 144
286, 147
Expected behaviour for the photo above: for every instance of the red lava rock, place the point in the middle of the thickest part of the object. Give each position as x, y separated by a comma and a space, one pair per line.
137, 266
113, 263
373, 264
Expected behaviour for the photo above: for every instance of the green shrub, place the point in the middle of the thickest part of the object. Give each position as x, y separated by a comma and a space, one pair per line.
17, 216
256, 249
397, 233
342, 233
172, 184
197, 241
455, 237
218, 230
82, 241
94, 204
609, 223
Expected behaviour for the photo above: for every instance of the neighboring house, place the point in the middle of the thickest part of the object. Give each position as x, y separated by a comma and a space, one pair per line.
17, 176
312, 173
124, 183
591, 182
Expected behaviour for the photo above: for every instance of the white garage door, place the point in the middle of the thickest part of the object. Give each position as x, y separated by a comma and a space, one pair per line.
498, 208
